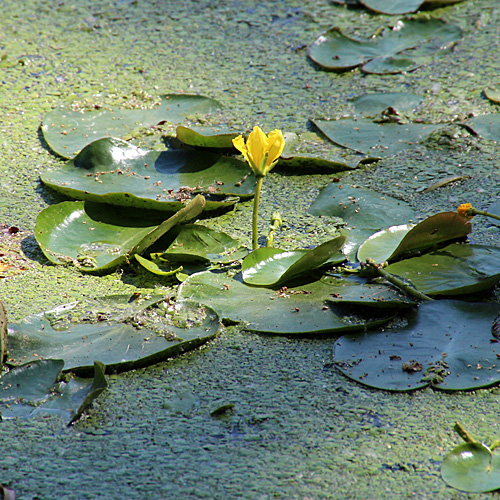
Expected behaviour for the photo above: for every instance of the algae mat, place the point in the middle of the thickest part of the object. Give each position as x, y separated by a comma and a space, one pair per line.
298, 429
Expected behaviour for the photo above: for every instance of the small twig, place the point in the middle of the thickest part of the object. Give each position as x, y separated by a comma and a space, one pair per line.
397, 281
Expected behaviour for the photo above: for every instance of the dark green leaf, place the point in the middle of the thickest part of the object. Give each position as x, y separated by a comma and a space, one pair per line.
97, 237
205, 138
67, 130
446, 344
112, 171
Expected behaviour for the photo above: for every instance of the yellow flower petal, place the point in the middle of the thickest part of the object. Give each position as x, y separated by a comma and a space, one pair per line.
257, 147
275, 146
463, 210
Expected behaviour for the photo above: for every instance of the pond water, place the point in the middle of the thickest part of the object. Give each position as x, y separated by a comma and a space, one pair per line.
298, 428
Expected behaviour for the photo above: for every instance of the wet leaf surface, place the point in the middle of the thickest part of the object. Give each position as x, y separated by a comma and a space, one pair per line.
204, 137
449, 340
99, 238
472, 467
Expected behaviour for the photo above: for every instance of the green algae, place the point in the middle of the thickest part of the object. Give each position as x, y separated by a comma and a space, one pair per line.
299, 429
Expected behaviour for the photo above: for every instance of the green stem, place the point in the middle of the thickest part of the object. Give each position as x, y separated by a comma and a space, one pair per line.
255, 219
397, 282
475, 211
462, 432
276, 222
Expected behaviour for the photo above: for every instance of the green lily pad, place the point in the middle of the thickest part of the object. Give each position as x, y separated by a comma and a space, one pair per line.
34, 387
164, 331
494, 208
404, 48
472, 467
486, 126
492, 94
457, 269
370, 105
112, 171
272, 266
375, 139
67, 130
397, 241
298, 310
205, 137
392, 6
360, 207
197, 243
446, 344
97, 237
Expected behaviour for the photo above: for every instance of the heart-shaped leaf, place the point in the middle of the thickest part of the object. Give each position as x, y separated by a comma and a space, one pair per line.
487, 126
376, 139
205, 138
97, 237
112, 171
472, 467
299, 310
446, 344
68, 129
165, 331
370, 105
404, 48
271, 266
457, 269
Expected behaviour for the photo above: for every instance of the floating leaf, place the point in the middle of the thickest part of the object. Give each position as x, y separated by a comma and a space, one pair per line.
370, 105
197, 243
360, 207
492, 94
457, 269
165, 332
298, 310
271, 266
446, 344
392, 6
112, 171
472, 467
97, 237
204, 137
375, 139
67, 130
397, 241
404, 48
34, 387
486, 126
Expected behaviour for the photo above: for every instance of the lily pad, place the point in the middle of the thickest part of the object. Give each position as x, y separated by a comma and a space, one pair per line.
492, 94
166, 331
375, 139
397, 241
3, 333
298, 310
34, 387
370, 105
472, 467
408, 45
457, 269
272, 266
97, 237
403, 6
112, 171
205, 137
360, 207
68, 130
486, 126
197, 243
447, 344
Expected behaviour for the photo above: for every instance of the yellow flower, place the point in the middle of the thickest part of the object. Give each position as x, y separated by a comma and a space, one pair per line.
261, 151
465, 210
